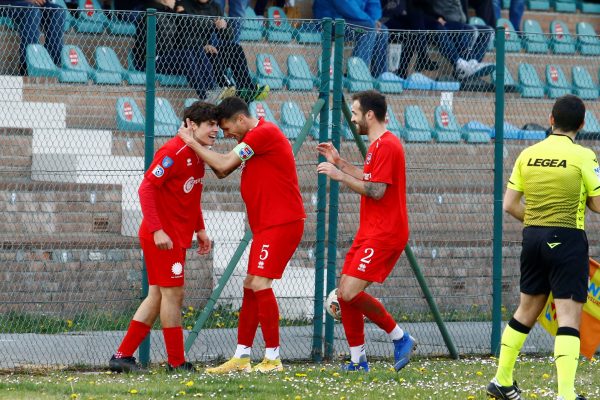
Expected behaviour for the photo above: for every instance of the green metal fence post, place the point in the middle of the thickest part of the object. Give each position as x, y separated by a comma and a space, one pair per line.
498, 188
317, 345
334, 187
144, 351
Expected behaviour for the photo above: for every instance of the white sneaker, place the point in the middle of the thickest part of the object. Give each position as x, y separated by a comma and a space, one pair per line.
472, 68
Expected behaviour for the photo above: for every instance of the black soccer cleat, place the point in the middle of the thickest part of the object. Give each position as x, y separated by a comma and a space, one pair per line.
185, 367
124, 364
496, 391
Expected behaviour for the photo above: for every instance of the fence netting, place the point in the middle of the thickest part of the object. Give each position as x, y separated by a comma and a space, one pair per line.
72, 123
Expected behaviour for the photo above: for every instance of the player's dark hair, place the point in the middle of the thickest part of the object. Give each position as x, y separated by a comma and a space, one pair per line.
569, 113
230, 107
200, 112
371, 100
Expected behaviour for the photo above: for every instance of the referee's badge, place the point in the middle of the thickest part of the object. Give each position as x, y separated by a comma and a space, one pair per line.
597, 172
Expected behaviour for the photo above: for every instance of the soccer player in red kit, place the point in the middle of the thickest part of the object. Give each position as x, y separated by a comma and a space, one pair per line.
269, 188
383, 228
170, 196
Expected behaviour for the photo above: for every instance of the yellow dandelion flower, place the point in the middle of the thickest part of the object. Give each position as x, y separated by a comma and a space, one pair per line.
471, 397
241, 386
190, 309
533, 395
69, 323
189, 327
69, 379
545, 376
336, 374
479, 373
300, 374
189, 383
133, 391
74, 396
297, 398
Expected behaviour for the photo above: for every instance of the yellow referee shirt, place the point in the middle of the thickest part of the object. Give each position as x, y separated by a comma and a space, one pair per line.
556, 176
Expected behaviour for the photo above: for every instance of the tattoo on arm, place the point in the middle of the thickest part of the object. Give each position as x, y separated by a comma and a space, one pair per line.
375, 190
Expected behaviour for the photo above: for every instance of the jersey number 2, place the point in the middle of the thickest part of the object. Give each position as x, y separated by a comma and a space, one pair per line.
369, 254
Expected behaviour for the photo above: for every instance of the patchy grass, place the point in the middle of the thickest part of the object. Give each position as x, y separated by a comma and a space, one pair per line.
422, 379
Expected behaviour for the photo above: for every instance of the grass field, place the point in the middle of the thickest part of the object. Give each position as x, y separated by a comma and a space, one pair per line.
421, 379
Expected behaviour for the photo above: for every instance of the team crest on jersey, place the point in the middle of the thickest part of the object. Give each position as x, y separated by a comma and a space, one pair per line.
177, 269
158, 171
189, 184
245, 152
167, 162
597, 172
368, 159
366, 176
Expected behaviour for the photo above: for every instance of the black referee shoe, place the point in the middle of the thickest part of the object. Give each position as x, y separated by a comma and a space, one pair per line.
495, 391
125, 364
185, 367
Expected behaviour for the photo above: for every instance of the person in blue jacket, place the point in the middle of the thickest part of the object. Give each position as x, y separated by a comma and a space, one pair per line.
371, 43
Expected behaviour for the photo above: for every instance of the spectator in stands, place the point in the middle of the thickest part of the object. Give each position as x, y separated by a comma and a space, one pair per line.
215, 37
515, 12
261, 5
371, 43
462, 44
235, 9
409, 21
484, 9
171, 57
30, 17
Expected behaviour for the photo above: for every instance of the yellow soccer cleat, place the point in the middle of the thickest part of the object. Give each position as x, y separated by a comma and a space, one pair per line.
267, 365
233, 365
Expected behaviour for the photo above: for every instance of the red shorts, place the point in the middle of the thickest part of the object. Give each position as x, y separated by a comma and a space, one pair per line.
368, 261
273, 248
163, 267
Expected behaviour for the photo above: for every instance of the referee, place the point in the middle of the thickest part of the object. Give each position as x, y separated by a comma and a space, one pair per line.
558, 178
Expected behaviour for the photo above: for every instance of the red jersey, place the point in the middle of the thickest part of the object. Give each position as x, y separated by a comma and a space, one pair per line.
176, 173
385, 220
269, 183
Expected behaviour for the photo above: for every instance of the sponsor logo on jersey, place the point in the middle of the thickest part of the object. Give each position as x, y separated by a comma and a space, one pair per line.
158, 171
547, 162
189, 184
368, 158
177, 269
189, 162
362, 267
597, 172
245, 153
366, 177
167, 162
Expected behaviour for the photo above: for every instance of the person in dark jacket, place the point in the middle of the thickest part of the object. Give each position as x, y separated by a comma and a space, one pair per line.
172, 57
215, 37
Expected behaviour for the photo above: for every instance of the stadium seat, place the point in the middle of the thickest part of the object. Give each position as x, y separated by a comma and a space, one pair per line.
268, 71
129, 116
73, 59
278, 27
417, 128
565, 6
591, 125
118, 27
583, 84
530, 84
446, 129
107, 61
511, 132
260, 109
189, 101
534, 40
556, 82
589, 8
252, 26
418, 81
588, 42
533, 135
392, 123
475, 132
561, 41
388, 82
166, 120
509, 82
90, 18
299, 75
512, 42
40, 64
358, 75
171, 80
540, 5
478, 21
308, 32
292, 119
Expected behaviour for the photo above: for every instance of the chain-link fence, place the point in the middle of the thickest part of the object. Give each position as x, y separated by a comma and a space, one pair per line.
75, 116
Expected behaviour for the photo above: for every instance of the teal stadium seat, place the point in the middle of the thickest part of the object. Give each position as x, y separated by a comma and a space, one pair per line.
509, 82
475, 132
478, 21
591, 125
299, 75
583, 84
530, 84
107, 61
588, 42
189, 101
388, 82
534, 40
589, 8
512, 42
166, 121
418, 81
40, 64
118, 27
358, 75
556, 82
74, 59
172, 80
7, 22
539, 5
565, 6
292, 119
268, 71
446, 129
278, 27
417, 128
90, 18
308, 32
561, 41
252, 26
260, 109
511, 132
70, 20
392, 123
129, 116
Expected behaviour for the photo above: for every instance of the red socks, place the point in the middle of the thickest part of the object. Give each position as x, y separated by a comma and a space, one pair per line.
374, 310
353, 322
248, 319
174, 344
268, 316
136, 333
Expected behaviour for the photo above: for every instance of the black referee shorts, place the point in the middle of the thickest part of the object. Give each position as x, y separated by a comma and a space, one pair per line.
555, 259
